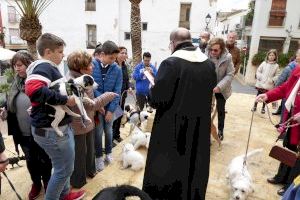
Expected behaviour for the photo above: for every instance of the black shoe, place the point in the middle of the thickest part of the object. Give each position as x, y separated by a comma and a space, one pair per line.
253, 109
263, 111
118, 139
278, 112
221, 135
274, 181
281, 191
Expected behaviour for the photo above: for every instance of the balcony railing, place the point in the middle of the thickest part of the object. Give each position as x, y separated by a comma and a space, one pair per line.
16, 40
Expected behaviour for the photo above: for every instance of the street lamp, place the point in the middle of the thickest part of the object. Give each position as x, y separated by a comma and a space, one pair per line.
207, 21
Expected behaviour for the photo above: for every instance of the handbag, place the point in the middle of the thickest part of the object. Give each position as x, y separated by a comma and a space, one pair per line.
284, 155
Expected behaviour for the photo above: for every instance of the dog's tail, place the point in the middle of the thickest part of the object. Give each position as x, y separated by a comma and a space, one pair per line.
253, 152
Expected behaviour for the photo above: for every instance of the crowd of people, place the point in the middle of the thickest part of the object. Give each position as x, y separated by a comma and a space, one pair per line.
177, 165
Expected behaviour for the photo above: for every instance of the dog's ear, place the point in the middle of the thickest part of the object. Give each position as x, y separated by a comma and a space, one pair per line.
70, 80
88, 81
75, 89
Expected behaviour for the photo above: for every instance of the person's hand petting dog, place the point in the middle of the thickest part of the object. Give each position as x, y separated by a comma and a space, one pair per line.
296, 117
71, 101
3, 162
216, 90
108, 116
261, 98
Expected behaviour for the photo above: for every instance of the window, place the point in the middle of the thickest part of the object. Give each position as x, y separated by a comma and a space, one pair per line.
144, 26
127, 36
265, 44
294, 44
299, 24
14, 35
90, 5
185, 12
277, 13
12, 14
91, 36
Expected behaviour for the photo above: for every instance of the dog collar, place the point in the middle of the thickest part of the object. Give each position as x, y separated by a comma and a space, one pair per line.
68, 89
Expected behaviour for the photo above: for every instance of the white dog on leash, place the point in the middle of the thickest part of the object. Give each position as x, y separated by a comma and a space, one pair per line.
132, 158
239, 178
140, 138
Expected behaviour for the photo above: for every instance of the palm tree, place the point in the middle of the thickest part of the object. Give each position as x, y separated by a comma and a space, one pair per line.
30, 26
136, 40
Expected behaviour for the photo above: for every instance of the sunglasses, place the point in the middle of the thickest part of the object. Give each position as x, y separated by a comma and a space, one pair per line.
214, 50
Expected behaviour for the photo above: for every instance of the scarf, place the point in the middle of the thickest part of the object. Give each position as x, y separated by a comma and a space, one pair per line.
17, 86
291, 99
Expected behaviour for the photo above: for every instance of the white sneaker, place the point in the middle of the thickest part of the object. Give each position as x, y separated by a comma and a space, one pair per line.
99, 164
109, 158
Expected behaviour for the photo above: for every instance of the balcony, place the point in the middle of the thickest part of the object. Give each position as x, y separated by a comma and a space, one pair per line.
16, 40
13, 18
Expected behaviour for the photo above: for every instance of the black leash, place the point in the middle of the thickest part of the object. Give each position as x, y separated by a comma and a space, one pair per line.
12, 186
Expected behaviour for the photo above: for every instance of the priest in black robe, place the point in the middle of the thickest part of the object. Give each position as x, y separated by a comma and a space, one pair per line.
177, 165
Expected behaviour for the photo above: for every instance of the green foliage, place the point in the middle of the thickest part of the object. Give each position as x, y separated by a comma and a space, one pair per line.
283, 59
32, 8
250, 14
5, 87
258, 58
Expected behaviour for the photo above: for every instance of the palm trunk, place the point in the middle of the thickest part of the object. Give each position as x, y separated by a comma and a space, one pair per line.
32, 49
136, 41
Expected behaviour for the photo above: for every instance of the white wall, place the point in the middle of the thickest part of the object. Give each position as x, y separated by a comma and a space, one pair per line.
260, 28
68, 20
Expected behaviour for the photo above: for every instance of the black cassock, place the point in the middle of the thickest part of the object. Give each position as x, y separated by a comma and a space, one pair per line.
177, 165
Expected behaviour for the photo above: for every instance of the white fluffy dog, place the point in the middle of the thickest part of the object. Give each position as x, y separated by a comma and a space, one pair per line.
140, 138
132, 158
239, 178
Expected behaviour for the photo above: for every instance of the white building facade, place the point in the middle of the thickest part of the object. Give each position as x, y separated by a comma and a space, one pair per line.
83, 24
276, 25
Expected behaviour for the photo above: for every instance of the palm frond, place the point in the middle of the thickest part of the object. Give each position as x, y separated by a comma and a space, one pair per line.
32, 8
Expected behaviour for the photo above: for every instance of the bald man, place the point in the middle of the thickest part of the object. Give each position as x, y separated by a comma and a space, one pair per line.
233, 50
177, 165
203, 40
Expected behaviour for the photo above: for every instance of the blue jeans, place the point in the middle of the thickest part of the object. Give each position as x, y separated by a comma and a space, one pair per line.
107, 128
62, 155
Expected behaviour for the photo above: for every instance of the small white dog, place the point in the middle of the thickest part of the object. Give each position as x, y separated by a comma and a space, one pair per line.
239, 178
134, 117
140, 138
132, 158
75, 88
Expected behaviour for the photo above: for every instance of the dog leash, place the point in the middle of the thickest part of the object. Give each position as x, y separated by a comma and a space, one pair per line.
11, 185
287, 123
248, 141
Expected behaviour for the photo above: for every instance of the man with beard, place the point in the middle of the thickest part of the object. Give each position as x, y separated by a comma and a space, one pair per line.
233, 50
203, 40
177, 166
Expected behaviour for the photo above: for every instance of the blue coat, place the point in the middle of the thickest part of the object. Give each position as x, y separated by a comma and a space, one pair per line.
111, 83
142, 83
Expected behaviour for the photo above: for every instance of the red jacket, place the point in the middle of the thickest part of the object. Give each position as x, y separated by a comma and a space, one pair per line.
283, 91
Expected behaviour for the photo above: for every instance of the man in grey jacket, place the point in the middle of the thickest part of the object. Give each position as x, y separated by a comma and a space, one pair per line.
225, 73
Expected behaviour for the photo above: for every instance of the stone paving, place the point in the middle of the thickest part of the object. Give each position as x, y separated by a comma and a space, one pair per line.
236, 131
